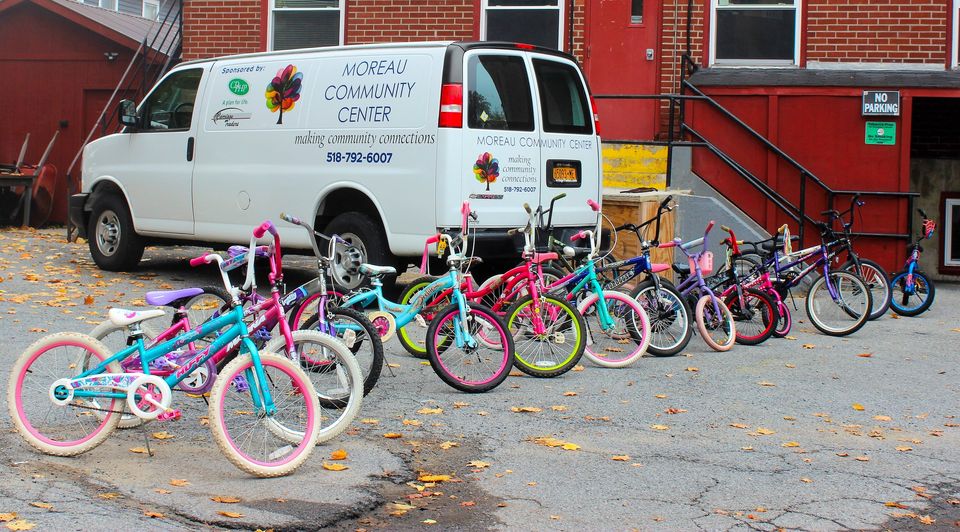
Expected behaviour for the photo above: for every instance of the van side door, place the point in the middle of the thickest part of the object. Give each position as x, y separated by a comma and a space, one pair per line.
501, 152
156, 169
569, 146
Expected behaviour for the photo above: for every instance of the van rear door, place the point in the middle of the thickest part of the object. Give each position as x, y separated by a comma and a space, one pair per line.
501, 152
569, 146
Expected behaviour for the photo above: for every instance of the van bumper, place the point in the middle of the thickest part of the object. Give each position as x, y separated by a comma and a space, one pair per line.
78, 217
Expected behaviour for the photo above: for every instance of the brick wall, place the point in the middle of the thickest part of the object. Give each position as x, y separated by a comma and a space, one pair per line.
220, 27
881, 31
377, 21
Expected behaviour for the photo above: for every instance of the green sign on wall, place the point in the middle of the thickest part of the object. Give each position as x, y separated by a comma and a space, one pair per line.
882, 133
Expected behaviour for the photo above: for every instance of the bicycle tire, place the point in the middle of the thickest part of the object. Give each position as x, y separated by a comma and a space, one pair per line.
413, 336
625, 331
561, 320
670, 328
817, 310
763, 308
899, 297
306, 308
784, 319
74, 413
287, 383
439, 344
877, 280
371, 361
708, 324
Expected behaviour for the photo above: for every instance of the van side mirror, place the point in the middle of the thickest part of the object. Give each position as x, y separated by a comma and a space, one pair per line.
127, 112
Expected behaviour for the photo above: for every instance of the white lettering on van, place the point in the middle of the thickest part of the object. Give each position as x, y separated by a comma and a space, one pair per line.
375, 68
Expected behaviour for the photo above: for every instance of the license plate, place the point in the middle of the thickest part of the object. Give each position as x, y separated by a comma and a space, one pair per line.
564, 174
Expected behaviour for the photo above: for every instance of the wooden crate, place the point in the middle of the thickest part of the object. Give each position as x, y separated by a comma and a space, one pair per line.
637, 208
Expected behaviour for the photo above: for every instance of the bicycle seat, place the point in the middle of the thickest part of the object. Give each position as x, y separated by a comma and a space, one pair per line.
540, 258
682, 269
657, 267
162, 298
121, 317
370, 270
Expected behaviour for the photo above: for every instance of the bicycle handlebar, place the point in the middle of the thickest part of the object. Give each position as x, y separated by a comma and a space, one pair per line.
265, 227
202, 259
593, 205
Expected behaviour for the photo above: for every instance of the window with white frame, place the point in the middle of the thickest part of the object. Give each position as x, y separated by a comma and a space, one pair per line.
537, 22
151, 9
305, 23
109, 4
759, 32
951, 232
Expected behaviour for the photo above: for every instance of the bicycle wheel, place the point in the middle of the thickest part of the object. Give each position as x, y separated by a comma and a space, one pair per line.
358, 335
906, 302
261, 443
558, 348
841, 315
335, 374
115, 338
470, 369
670, 329
69, 428
718, 331
784, 320
755, 319
626, 340
413, 336
877, 280
307, 308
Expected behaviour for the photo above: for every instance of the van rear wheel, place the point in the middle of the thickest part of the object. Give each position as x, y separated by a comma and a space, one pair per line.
366, 235
114, 244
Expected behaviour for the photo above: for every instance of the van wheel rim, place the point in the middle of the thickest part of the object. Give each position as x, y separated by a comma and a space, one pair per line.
346, 275
108, 233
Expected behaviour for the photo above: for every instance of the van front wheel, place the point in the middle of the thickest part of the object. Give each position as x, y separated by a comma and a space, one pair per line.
367, 236
114, 244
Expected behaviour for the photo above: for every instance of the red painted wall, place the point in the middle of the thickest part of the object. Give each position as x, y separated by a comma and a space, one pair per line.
50, 67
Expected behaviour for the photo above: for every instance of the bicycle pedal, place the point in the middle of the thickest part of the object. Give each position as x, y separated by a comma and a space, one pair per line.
240, 384
170, 415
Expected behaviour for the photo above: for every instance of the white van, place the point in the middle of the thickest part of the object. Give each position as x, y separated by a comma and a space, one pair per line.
379, 143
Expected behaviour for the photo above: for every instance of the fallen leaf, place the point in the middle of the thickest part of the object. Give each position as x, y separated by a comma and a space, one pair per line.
392, 365
478, 464
109, 495
139, 450
806, 480
808, 346
659, 427
765, 383
747, 448
764, 432
4, 518
675, 411
558, 408
789, 418
37, 330
164, 435
883, 418
428, 411
621, 458
739, 426
791, 366
339, 454
429, 521
791, 444
449, 445
468, 503
693, 369
162, 491
525, 409
895, 505
179, 482
843, 455
460, 404
20, 524
554, 442
225, 500
904, 448
370, 421
334, 467
231, 515
155, 515
433, 478
857, 406
88, 300
44, 505
412, 422
660, 396
578, 367
862, 458
790, 337
926, 519
392, 435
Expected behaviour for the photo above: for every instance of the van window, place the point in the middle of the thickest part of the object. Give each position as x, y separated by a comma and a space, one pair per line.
170, 105
499, 93
562, 97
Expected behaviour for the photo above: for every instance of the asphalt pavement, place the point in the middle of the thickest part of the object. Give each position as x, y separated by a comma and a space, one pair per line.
809, 432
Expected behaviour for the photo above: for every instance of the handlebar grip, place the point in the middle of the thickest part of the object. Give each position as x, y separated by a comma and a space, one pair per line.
512, 232
726, 229
709, 227
578, 235
559, 196
265, 227
473, 215
781, 229
290, 219
666, 201
593, 205
669, 244
526, 207
197, 261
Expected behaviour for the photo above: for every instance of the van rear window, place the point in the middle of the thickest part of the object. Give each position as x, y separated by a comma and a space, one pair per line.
563, 100
499, 93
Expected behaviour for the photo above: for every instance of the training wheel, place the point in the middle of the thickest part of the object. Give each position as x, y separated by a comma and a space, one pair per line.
384, 323
148, 396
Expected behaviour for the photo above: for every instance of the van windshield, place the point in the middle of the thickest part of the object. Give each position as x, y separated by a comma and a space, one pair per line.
499, 93
562, 98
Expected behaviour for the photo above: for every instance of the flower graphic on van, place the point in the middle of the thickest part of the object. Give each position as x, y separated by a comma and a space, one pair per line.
486, 169
284, 91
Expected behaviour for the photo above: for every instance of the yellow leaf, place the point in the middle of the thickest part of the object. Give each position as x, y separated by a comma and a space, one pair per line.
578, 367
88, 300
569, 394
179, 482
895, 505
882, 418
429, 521
739, 426
789, 418
660, 396
155, 515
424, 362
370, 421
747, 448
693, 369
765, 383
139, 450
764, 432
791, 444
862, 458
659, 427
4, 518
430, 411
554, 442
393, 365
231, 515
109, 495
20, 524
525, 409
806, 480
904, 448
791, 366
162, 491
433, 478
339, 454
478, 464
448, 445
225, 500
44, 505
857, 406
558, 408
460, 404
808, 346
164, 435
790, 337
334, 467
392, 435
412, 422
570, 446
621, 458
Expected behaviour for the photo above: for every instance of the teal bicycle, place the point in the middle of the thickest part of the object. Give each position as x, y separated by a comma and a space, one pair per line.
468, 345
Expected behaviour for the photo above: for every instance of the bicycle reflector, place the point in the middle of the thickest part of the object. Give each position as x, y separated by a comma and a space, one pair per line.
928, 227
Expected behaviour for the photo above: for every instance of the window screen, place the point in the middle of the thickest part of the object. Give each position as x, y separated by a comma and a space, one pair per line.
499, 93
562, 98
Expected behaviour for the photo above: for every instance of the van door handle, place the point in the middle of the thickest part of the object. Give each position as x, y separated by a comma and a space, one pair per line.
190, 149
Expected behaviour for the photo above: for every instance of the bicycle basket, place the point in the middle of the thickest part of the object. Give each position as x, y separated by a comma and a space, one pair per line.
706, 263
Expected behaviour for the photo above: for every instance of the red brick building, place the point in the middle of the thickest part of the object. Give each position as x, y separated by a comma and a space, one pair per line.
795, 71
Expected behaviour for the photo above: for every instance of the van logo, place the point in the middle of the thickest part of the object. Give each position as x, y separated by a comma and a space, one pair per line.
283, 91
230, 115
239, 86
486, 169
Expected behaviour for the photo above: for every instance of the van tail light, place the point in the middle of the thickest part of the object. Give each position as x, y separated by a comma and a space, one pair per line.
596, 116
451, 105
